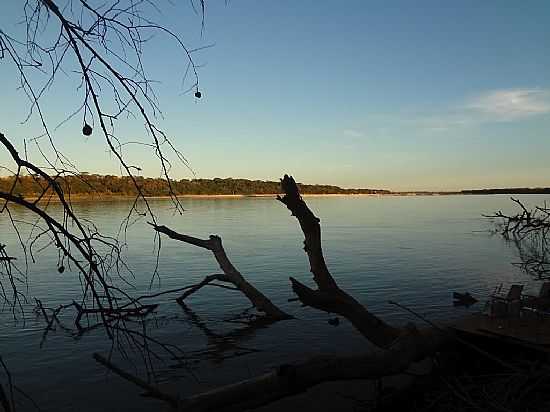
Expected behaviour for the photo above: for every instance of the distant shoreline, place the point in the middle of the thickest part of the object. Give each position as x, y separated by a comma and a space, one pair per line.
107, 197
108, 187
110, 197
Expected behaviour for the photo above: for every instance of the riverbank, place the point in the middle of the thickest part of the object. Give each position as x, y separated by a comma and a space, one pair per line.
103, 197
114, 198
99, 187
109, 197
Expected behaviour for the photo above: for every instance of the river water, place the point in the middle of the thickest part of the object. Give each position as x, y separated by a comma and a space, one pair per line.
414, 250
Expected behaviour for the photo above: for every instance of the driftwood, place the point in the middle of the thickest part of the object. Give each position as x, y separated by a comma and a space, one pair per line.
329, 297
230, 274
398, 348
289, 380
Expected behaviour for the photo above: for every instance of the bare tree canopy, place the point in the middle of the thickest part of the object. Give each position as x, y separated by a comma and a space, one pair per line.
101, 47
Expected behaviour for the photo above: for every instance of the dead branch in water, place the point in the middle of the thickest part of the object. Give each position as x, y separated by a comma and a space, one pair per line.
529, 230
230, 274
398, 348
329, 297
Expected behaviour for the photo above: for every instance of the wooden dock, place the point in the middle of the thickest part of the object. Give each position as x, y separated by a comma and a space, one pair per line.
530, 331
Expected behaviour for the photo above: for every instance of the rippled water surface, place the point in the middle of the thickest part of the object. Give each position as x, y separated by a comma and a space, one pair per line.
414, 250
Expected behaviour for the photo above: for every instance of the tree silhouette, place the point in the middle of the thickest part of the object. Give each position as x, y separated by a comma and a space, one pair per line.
101, 45
104, 41
529, 230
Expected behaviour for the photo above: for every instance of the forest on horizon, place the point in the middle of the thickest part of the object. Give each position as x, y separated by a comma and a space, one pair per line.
91, 185
109, 185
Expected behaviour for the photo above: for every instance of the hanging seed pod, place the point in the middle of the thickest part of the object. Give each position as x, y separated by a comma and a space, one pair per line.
198, 94
61, 269
87, 130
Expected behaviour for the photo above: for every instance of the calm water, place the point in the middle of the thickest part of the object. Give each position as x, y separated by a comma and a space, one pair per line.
415, 250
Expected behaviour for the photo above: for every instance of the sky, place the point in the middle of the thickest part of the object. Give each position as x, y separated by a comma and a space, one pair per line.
400, 95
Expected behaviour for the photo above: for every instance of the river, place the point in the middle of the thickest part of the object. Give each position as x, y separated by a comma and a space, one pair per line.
415, 250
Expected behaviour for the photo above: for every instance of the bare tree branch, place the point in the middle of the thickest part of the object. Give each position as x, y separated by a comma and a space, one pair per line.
231, 274
529, 230
329, 297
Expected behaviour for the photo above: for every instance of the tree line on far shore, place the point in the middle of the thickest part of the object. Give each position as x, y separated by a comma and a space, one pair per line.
108, 185
95, 185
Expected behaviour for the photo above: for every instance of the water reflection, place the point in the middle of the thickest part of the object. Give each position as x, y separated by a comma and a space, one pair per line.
414, 250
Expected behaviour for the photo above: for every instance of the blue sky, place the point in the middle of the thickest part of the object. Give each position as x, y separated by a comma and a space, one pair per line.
400, 95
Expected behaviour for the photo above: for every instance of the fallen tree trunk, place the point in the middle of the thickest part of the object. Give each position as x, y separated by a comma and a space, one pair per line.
289, 380
398, 347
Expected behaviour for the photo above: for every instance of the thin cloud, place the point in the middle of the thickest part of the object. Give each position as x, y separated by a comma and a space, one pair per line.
511, 104
501, 105
444, 123
353, 133
504, 105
